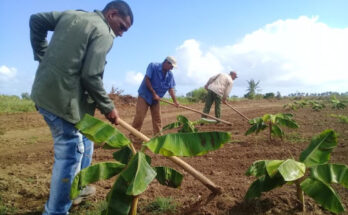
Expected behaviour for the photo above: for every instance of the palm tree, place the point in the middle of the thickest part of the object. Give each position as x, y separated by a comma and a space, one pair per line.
252, 88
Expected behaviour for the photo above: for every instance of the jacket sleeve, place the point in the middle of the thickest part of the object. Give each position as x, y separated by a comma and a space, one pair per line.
92, 72
39, 25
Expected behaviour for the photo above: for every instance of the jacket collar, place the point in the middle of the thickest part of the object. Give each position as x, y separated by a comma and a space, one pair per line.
106, 22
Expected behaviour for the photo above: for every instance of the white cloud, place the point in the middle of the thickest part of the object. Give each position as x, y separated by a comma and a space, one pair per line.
287, 55
134, 78
194, 66
7, 73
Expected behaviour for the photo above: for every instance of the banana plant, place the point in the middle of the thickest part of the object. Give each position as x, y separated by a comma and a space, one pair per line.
271, 174
133, 169
273, 122
316, 106
337, 104
185, 125
342, 118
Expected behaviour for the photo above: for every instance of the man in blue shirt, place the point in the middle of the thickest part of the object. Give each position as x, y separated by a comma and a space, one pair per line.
158, 80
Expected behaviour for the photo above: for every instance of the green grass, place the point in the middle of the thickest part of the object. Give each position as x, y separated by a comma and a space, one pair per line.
162, 205
89, 208
14, 104
5, 210
181, 100
295, 137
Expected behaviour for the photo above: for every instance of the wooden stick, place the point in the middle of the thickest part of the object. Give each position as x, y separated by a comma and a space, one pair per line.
187, 108
199, 176
238, 112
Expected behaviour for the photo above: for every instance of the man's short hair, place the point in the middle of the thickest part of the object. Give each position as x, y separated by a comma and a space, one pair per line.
233, 73
122, 7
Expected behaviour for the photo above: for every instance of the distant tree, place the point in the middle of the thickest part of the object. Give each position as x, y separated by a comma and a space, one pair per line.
197, 95
252, 88
269, 96
278, 96
25, 96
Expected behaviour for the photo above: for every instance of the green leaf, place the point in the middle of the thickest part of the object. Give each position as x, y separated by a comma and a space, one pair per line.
272, 167
172, 126
119, 203
188, 144
331, 173
138, 174
92, 174
168, 177
101, 132
257, 169
323, 194
320, 148
292, 170
123, 155
263, 184
277, 131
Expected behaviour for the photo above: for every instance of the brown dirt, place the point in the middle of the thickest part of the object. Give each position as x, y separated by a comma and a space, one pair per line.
26, 158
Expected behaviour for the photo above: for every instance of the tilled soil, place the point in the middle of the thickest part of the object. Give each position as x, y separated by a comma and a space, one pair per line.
26, 159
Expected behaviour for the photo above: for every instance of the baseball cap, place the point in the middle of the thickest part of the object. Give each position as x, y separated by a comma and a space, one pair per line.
171, 60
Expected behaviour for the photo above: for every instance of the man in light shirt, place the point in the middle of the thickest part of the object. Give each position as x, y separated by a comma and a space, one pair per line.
219, 87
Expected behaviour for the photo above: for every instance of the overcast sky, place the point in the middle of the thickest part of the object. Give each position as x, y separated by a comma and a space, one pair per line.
289, 46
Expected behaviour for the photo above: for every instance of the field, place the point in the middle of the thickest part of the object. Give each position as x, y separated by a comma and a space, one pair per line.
26, 158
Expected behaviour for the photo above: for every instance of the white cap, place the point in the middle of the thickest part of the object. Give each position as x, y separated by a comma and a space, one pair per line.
171, 60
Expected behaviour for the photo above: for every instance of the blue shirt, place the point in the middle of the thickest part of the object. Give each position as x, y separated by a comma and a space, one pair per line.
160, 83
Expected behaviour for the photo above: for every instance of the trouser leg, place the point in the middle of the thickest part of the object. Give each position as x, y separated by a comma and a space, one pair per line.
217, 106
156, 118
140, 113
68, 154
208, 102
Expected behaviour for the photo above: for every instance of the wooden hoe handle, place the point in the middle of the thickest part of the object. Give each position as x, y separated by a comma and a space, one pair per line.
199, 176
207, 115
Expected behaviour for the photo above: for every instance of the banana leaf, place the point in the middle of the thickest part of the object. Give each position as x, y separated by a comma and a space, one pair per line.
101, 132
138, 174
277, 131
331, 173
288, 122
257, 169
264, 184
119, 203
257, 125
292, 170
172, 126
320, 148
263, 167
123, 155
188, 144
168, 177
91, 174
322, 193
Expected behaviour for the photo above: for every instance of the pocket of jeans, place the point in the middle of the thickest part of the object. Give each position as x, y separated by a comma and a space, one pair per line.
53, 121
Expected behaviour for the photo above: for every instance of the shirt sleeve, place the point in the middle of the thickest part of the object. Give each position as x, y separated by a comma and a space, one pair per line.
39, 25
172, 82
228, 89
92, 72
149, 70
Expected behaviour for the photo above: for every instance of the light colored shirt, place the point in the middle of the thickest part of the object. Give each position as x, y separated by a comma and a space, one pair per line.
68, 81
220, 84
160, 83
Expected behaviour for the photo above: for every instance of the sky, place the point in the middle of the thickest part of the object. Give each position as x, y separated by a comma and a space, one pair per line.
288, 46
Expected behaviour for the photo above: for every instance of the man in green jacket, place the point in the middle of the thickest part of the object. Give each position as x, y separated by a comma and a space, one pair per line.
68, 84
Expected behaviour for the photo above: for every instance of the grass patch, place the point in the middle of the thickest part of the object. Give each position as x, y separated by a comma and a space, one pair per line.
181, 100
342, 118
4, 209
89, 208
14, 104
162, 205
294, 137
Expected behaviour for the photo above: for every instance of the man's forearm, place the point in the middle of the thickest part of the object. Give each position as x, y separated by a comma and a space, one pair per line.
149, 86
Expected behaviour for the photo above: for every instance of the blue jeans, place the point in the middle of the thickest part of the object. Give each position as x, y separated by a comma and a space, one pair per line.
72, 152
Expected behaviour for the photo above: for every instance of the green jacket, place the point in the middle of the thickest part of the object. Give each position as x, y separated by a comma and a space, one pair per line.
68, 81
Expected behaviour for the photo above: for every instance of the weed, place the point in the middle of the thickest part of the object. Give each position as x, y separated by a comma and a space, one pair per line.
162, 205
89, 208
295, 137
4, 209
13, 104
